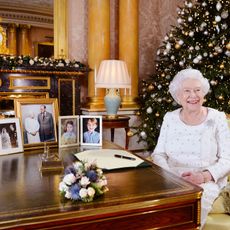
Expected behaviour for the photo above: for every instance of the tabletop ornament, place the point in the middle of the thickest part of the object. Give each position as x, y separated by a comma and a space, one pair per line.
82, 181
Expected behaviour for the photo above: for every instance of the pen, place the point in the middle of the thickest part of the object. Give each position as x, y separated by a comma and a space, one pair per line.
124, 157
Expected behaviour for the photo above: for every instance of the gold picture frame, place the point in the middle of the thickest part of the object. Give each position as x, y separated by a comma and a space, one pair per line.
38, 121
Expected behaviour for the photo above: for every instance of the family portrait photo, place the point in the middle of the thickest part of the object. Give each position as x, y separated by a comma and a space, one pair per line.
91, 130
10, 136
38, 118
68, 131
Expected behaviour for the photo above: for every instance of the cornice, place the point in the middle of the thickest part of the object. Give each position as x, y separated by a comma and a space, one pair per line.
39, 16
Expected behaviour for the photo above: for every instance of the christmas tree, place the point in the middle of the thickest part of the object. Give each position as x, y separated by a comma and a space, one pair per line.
201, 40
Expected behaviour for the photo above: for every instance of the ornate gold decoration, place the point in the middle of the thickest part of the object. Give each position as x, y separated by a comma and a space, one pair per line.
17, 82
3, 48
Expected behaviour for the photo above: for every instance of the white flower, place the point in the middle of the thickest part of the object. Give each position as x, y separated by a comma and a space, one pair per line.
68, 195
83, 192
91, 191
60, 64
99, 172
78, 166
69, 179
31, 61
67, 61
84, 181
63, 187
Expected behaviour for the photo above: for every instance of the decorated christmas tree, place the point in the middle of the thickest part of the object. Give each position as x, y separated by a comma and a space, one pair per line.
201, 40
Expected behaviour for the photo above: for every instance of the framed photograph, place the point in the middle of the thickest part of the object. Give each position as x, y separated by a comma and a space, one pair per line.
38, 121
91, 130
68, 131
10, 136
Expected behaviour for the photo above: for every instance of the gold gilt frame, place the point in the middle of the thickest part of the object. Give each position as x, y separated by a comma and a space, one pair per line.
32, 136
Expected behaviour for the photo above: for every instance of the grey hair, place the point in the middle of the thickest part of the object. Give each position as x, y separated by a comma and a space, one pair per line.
183, 75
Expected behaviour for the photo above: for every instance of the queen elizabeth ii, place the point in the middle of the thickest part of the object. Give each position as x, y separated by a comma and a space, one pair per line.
194, 140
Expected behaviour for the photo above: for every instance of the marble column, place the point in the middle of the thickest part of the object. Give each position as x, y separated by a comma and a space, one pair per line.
98, 46
128, 46
60, 29
12, 39
24, 41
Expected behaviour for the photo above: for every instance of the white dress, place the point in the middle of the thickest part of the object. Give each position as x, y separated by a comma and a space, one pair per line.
32, 128
206, 146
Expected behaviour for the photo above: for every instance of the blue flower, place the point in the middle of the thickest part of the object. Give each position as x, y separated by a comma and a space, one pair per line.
92, 175
70, 169
74, 190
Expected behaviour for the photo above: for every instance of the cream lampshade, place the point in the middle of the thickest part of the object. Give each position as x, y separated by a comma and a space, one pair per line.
112, 75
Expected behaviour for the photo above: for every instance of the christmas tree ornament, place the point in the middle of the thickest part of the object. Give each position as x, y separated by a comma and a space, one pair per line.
224, 14
204, 4
151, 87
190, 19
221, 97
217, 18
130, 133
191, 34
177, 46
210, 45
149, 110
157, 114
228, 46
181, 42
222, 66
218, 6
143, 134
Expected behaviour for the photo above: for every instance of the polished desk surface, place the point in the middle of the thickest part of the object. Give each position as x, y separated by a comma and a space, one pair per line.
139, 198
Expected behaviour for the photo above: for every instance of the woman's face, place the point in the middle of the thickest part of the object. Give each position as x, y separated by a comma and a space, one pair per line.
191, 96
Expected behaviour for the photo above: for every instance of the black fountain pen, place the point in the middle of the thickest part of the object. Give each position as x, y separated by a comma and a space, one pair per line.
124, 157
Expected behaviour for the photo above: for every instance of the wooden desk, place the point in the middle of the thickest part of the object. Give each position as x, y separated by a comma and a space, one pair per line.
114, 123
140, 198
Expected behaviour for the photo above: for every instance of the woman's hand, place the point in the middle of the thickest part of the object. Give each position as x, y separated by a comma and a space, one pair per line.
197, 177
193, 177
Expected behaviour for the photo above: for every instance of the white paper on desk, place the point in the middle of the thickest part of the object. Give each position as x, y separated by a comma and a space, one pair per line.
105, 158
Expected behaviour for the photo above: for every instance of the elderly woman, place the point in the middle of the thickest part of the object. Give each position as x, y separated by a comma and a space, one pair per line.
194, 140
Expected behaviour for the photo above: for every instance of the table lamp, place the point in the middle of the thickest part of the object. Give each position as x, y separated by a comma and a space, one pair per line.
112, 75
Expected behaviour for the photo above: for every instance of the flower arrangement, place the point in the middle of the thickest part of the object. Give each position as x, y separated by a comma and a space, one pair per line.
13, 62
83, 181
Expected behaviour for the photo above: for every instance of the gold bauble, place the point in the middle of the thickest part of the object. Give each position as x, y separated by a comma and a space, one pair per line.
228, 46
220, 97
162, 75
138, 113
157, 114
151, 87
177, 46
130, 134
210, 45
221, 66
